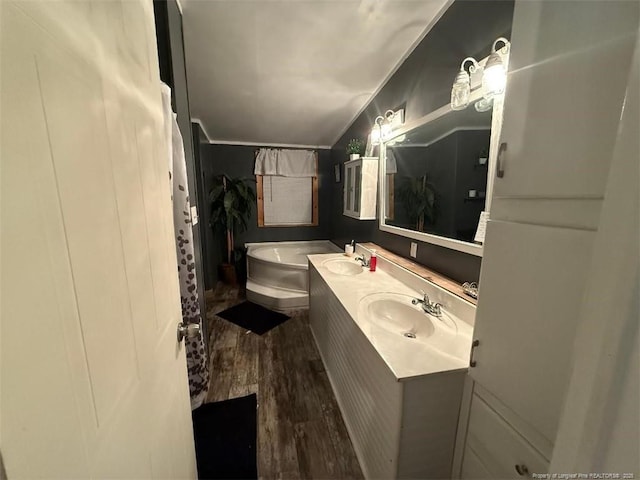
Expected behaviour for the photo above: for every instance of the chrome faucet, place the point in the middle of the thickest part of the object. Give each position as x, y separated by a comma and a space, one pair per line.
434, 309
362, 260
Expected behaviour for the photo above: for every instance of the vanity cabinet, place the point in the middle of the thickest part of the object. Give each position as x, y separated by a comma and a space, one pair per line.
399, 395
361, 188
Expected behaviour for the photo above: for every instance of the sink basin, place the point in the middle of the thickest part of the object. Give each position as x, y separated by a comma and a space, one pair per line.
392, 316
395, 313
343, 267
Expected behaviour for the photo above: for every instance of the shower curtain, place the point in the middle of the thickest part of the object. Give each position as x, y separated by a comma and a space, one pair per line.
197, 364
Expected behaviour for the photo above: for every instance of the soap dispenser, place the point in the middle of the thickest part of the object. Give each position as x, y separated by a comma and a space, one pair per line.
372, 261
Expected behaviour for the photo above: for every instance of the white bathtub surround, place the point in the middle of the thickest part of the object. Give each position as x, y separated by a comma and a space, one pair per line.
277, 272
399, 396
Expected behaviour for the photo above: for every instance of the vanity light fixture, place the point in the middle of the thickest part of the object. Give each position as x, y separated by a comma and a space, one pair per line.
494, 76
461, 89
382, 127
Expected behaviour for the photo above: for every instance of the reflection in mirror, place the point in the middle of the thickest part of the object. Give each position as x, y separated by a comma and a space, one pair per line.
436, 175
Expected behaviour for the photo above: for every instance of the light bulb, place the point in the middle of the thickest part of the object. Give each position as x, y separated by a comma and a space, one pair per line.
494, 77
385, 130
461, 90
375, 135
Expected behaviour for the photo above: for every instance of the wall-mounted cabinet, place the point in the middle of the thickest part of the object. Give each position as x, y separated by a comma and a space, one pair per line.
361, 188
557, 162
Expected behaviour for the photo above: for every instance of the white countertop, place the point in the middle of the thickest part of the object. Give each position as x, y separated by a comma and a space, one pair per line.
445, 351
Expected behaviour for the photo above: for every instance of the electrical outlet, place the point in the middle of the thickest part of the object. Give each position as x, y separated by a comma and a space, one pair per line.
414, 250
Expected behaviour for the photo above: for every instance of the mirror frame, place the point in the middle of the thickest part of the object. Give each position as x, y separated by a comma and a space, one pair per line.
496, 127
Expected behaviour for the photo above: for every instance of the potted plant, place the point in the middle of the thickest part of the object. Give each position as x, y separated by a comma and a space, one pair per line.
355, 148
232, 202
418, 197
483, 156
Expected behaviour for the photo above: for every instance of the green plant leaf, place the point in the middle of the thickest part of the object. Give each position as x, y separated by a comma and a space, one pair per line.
215, 192
214, 218
355, 145
229, 200
231, 208
418, 198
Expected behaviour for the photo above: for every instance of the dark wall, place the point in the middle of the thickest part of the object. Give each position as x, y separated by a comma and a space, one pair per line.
451, 166
438, 162
200, 139
423, 84
238, 161
173, 72
470, 175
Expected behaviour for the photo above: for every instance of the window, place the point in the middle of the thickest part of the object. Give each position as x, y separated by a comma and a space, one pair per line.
287, 201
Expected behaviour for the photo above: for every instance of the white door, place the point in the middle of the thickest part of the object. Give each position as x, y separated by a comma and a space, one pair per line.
93, 381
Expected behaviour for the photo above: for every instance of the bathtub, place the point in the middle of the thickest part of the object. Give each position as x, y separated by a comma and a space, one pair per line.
278, 275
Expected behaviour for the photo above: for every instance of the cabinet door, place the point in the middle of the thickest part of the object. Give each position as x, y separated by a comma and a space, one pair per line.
531, 287
472, 466
564, 96
348, 189
357, 187
495, 446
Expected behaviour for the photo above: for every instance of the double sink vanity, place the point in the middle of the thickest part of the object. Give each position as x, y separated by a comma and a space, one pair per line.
397, 371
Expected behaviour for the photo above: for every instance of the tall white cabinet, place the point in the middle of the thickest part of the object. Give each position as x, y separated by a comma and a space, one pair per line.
569, 68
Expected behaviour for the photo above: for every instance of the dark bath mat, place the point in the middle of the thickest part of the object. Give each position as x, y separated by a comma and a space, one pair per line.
225, 435
253, 317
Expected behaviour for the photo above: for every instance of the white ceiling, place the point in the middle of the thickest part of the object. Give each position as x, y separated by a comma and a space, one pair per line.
294, 72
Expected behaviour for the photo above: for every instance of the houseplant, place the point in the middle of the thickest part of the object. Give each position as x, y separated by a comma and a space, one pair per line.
483, 156
232, 202
418, 197
355, 148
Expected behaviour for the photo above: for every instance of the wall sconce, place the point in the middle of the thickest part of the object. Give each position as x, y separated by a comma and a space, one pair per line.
461, 89
382, 127
494, 78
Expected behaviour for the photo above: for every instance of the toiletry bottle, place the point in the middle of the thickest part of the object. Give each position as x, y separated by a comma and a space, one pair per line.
372, 261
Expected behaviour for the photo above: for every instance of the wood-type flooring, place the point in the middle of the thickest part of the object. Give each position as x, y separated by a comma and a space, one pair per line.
301, 433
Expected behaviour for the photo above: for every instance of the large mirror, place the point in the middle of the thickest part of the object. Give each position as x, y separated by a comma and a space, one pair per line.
436, 175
